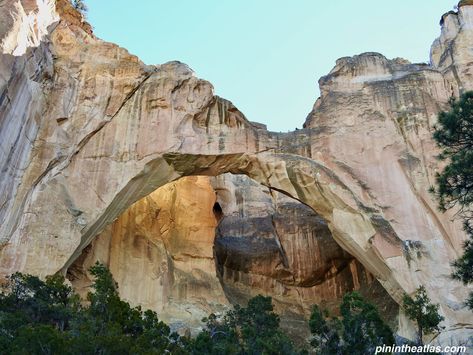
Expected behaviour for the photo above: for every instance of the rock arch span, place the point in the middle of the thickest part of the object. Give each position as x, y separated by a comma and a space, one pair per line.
202, 243
87, 129
170, 125
302, 179
144, 145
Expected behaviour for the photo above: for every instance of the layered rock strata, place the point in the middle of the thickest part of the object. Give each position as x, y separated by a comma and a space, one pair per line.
87, 129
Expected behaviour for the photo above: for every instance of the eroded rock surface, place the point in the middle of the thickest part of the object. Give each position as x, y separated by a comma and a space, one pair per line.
87, 129
160, 252
268, 243
167, 254
24, 24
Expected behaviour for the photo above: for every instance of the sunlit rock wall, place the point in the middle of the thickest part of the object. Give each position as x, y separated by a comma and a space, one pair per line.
168, 254
87, 129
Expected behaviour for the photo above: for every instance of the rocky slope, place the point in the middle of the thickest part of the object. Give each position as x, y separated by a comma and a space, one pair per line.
87, 130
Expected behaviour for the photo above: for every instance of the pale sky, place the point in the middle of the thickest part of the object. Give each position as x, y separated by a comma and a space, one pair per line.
266, 56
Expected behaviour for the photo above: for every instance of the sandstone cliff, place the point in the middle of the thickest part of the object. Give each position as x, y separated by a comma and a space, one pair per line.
166, 254
87, 130
160, 251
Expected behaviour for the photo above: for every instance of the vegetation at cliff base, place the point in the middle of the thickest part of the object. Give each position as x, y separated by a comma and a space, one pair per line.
39, 317
359, 330
425, 314
47, 317
244, 330
454, 135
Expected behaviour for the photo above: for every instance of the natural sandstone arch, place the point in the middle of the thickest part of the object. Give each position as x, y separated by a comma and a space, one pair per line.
302, 179
171, 125
90, 128
174, 250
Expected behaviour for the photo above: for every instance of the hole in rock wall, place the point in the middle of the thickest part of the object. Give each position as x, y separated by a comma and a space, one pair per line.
200, 244
218, 212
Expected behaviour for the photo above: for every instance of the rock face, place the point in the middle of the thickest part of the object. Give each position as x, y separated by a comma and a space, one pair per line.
267, 243
160, 252
87, 130
25, 24
167, 254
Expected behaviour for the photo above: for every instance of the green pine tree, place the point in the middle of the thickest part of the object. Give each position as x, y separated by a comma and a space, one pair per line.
420, 309
454, 135
363, 328
247, 330
325, 332
35, 314
359, 331
46, 317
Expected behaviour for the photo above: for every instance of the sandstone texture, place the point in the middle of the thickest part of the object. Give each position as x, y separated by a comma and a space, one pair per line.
268, 243
160, 251
87, 130
167, 255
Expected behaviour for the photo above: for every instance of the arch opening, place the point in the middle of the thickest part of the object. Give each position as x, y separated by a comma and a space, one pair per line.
199, 244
